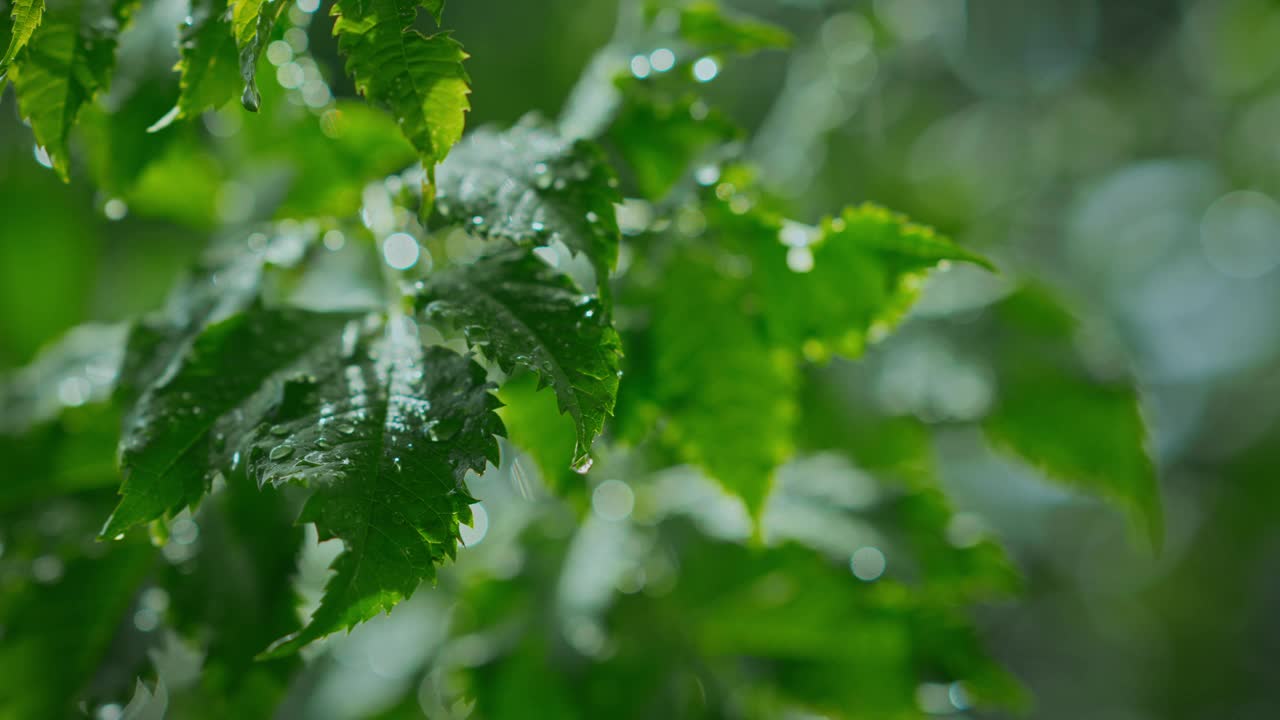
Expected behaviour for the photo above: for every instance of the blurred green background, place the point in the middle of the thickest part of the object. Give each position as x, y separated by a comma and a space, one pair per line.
1126, 152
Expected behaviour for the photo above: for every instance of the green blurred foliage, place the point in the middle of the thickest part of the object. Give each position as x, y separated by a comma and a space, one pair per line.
1123, 154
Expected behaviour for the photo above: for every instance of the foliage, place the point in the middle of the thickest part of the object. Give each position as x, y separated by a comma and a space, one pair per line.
316, 369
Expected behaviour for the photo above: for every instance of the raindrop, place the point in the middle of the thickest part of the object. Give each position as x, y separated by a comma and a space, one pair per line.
583, 465
867, 563
250, 98
47, 569
115, 209
662, 59
313, 458
280, 452
347, 429
706, 69
279, 430
640, 66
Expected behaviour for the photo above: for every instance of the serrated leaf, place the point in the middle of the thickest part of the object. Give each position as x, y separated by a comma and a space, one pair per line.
531, 186
385, 434
1081, 430
252, 22
519, 311
207, 62
728, 397
172, 440
419, 78
67, 62
26, 16
707, 26
854, 283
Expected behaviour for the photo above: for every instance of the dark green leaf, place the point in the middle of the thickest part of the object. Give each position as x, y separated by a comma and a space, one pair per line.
385, 432
529, 185
173, 436
519, 311
233, 598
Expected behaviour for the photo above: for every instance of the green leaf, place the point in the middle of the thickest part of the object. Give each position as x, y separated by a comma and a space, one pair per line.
661, 138
57, 432
235, 596
207, 62
80, 368
851, 285
825, 639
519, 311
535, 426
1081, 430
385, 432
419, 78
707, 26
67, 62
26, 18
529, 185
71, 453
435, 8
252, 22
728, 397
57, 634
174, 437
330, 159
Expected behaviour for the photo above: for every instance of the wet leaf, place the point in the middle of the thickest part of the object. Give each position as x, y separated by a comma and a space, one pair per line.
519, 311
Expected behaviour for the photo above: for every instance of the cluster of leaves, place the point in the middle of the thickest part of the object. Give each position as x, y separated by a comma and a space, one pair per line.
364, 413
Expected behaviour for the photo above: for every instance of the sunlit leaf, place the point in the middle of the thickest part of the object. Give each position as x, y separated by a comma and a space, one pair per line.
26, 16
67, 62
727, 396
418, 78
706, 25
835, 288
